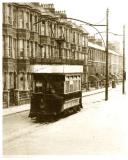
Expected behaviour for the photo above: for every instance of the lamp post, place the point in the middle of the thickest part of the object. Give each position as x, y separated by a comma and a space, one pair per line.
124, 73
106, 84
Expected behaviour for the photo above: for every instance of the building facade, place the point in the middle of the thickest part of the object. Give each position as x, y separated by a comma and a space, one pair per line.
36, 33
26, 42
97, 61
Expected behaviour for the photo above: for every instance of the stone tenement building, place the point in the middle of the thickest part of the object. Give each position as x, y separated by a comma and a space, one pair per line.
25, 43
97, 61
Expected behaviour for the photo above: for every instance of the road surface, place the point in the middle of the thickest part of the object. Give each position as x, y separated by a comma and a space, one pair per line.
100, 128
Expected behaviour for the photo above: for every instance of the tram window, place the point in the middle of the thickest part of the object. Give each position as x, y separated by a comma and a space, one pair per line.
67, 86
79, 83
75, 84
38, 86
71, 84
49, 88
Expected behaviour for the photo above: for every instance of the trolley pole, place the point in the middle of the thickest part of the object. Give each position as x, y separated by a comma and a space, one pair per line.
124, 74
106, 84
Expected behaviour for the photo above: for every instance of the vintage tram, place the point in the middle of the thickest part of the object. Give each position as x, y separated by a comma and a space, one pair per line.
56, 92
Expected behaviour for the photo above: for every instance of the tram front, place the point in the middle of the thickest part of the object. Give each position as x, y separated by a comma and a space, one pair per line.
56, 90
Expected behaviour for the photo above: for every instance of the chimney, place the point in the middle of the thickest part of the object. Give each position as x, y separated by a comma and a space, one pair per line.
49, 7
61, 13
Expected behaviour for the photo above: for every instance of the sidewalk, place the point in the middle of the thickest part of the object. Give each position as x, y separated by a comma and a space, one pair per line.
91, 92
15, 109
21, 108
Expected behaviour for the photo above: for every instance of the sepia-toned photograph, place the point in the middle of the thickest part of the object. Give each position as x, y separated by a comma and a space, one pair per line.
64, 88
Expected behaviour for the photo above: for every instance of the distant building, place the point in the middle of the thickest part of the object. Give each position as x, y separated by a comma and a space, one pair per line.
97, 59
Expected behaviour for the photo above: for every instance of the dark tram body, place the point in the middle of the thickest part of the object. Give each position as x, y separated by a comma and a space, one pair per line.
55, 95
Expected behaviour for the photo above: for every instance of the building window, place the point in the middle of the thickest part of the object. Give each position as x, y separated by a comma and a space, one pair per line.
27, 23
10, 46
14, 18
21, 81
31, 23
43, 50
21, 20
31, 47
4, 45
56, 54
42, 28
9, 14
11, 80
83, 41
36, 25
14, 47
4, 81
36, 48
60, 32
39, 51
73, 54
68, 54
47, 54
49, 51
77, 34
73, 37
28, 48
51, 30
21, 48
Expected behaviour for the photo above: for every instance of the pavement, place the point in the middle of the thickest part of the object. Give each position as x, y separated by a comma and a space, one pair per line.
15, 109
25, 107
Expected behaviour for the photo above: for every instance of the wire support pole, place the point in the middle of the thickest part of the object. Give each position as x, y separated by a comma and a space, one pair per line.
124, 73
107, 80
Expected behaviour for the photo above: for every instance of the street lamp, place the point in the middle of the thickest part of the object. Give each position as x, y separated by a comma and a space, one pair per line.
106, 84
124, 73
